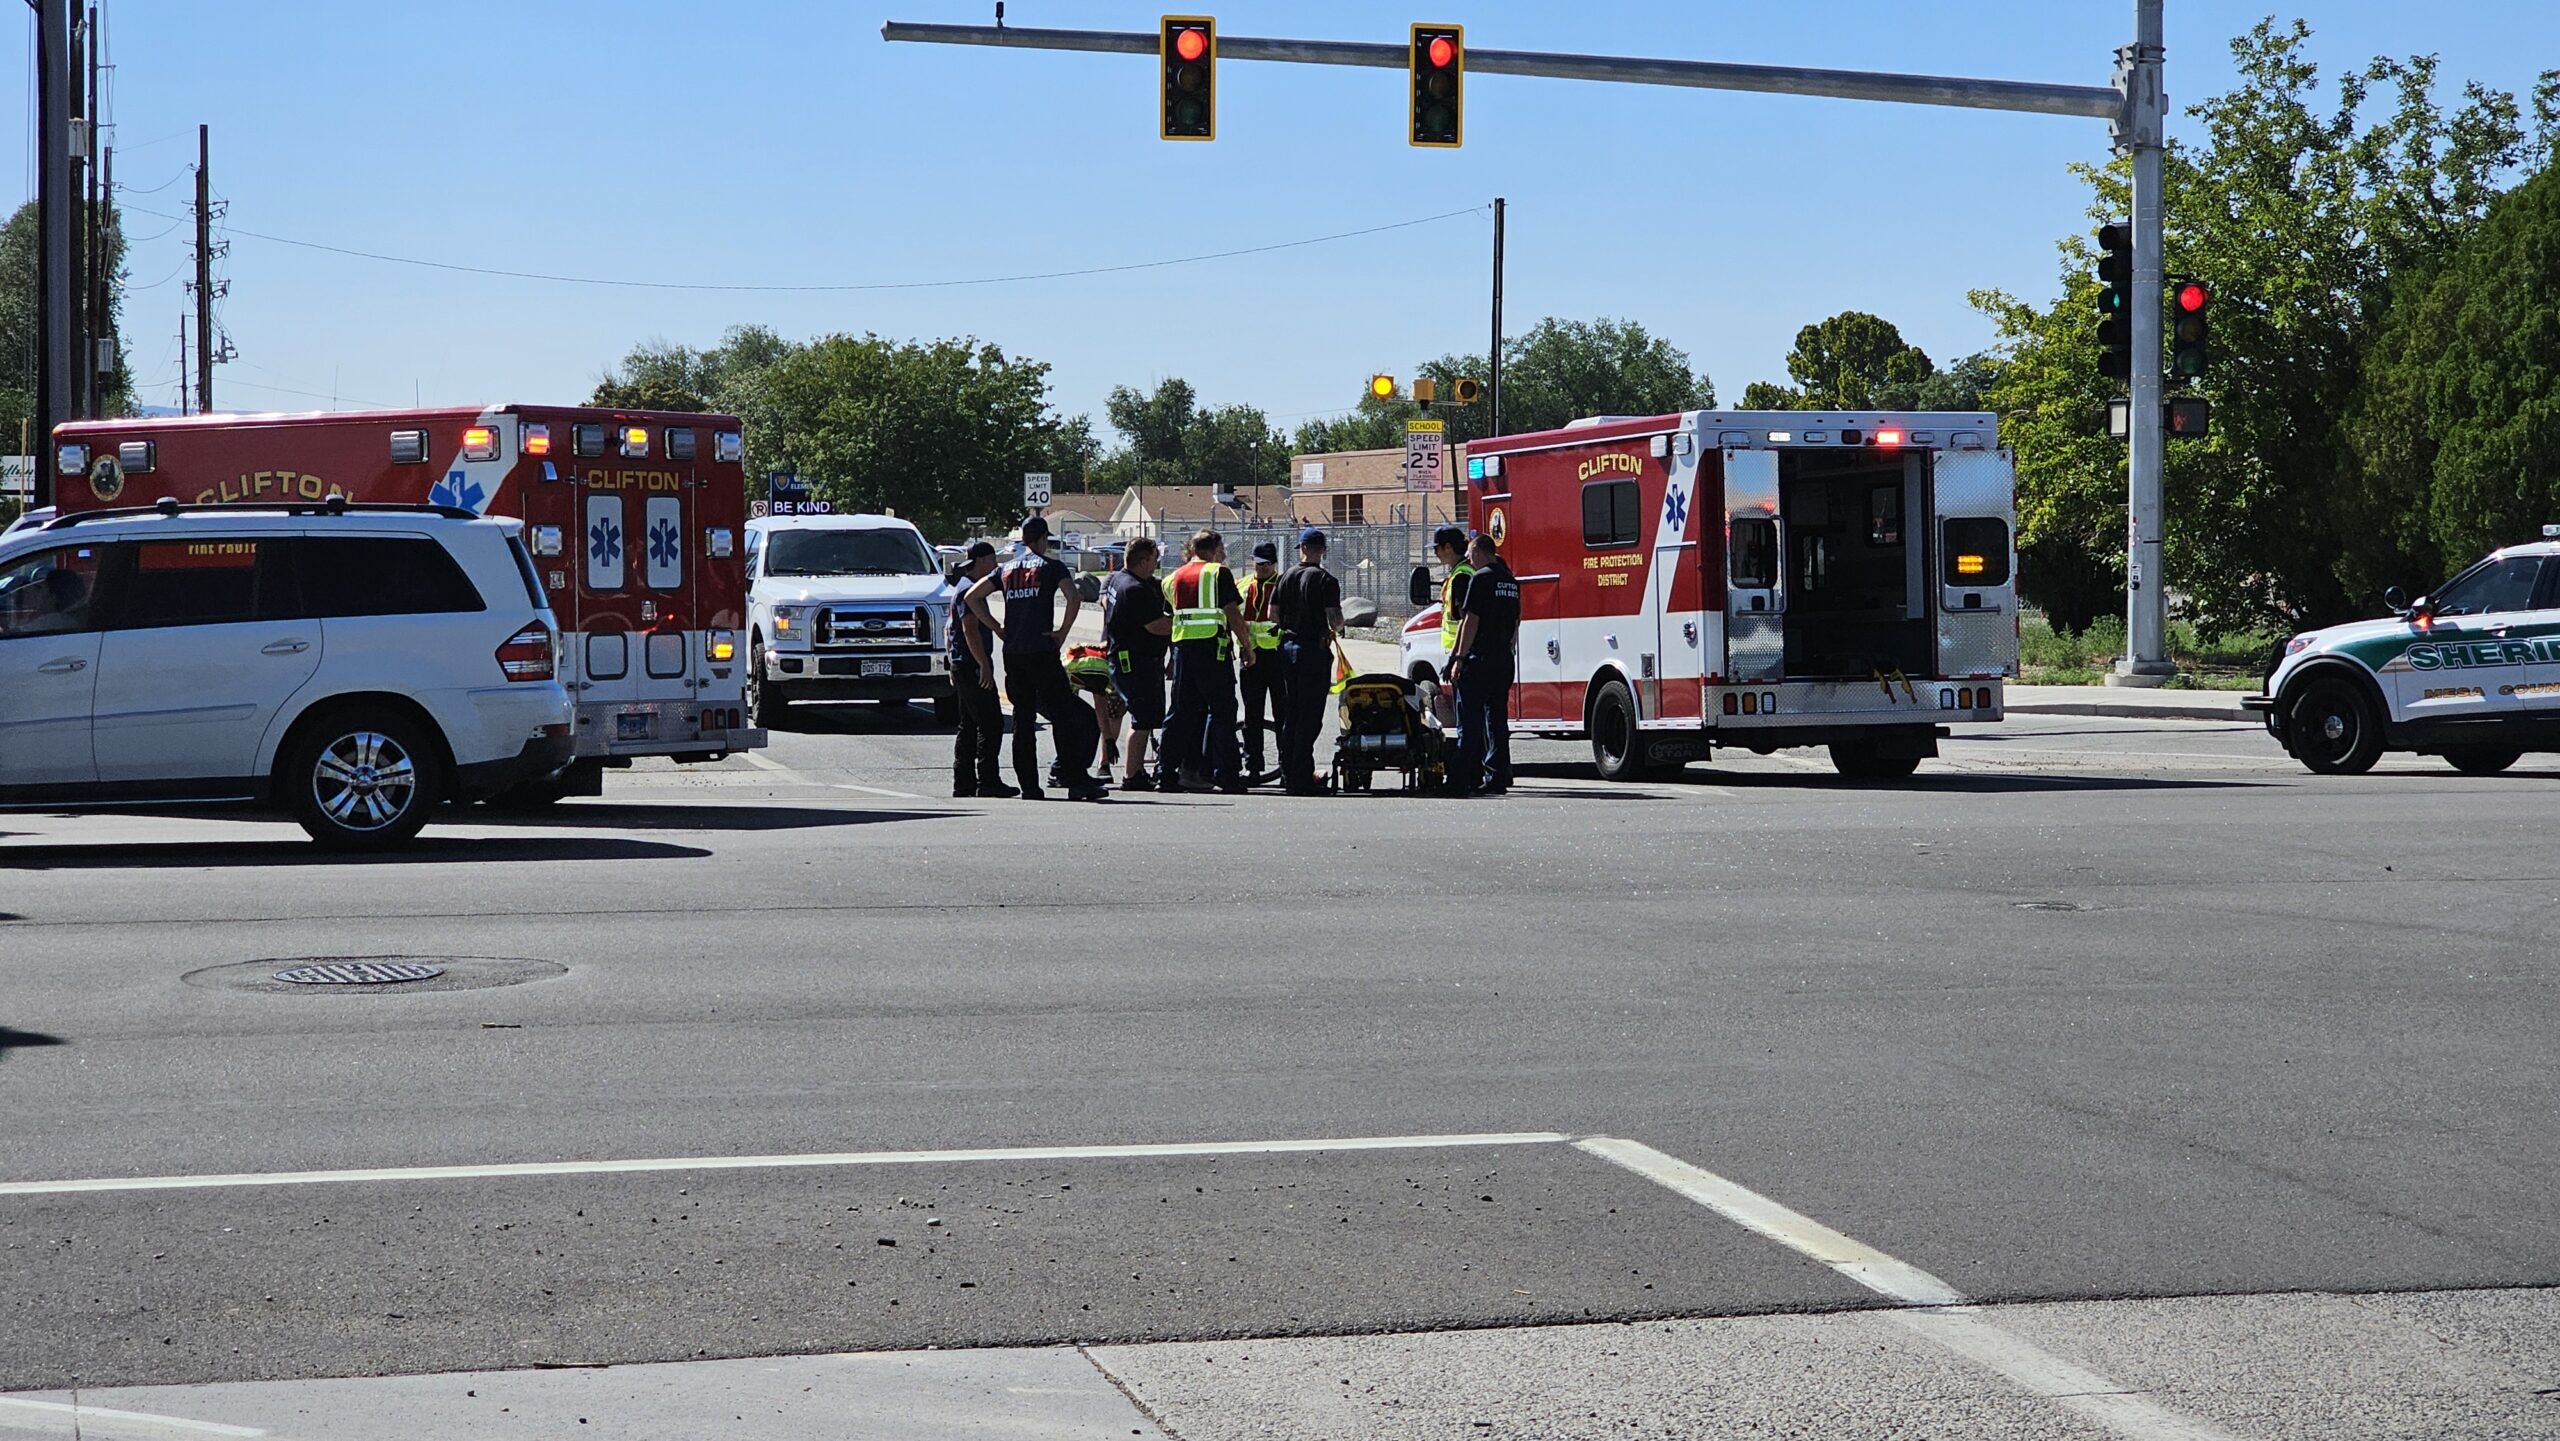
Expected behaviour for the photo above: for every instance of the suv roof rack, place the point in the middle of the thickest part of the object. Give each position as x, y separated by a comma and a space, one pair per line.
334, 505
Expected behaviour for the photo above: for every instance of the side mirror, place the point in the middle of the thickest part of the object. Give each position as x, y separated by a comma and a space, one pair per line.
1418, 590
2397, 600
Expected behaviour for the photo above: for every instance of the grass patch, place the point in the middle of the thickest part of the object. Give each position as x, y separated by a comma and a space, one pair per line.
2050, 657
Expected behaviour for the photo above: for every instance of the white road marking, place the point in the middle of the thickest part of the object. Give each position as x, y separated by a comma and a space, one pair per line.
123, 1423
760, 1163
780, 769
1948, 1319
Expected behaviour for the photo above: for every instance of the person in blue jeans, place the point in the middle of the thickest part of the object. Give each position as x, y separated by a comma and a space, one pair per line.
1482, 667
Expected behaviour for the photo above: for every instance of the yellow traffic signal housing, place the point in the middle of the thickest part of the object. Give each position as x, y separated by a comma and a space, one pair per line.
1425, 391
1438, 62
1383, 386
1187, 52
1464, 391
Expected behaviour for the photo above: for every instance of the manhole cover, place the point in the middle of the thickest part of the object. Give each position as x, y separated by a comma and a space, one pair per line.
372, 975
2048, 906
359, 973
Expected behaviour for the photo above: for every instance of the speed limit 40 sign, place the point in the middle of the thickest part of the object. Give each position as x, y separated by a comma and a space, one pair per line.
1035, 490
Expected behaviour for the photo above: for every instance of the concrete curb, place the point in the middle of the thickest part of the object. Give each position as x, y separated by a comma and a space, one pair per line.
2128, 710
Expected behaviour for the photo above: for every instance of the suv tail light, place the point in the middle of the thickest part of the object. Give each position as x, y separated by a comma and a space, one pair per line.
527, 655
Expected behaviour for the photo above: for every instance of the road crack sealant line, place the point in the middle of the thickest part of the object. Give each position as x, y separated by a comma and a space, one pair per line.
1940, 1313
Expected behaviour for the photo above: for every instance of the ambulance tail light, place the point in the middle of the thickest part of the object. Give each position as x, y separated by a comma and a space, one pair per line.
528, 654
479, 442
720, 646
536, 439
1888, 437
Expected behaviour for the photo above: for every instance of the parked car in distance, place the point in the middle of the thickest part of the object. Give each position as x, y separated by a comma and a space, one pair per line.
843, 607
353, 666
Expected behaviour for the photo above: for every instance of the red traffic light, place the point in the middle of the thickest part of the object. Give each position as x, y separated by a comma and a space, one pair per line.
2192, 297
1190, 44
1443, 52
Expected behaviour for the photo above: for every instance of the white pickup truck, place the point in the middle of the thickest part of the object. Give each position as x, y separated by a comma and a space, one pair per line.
844, 607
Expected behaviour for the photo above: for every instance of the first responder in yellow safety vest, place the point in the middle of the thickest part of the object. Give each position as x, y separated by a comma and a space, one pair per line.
1209, 631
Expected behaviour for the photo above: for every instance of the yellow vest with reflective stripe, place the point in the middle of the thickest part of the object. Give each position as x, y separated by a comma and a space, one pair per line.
1204, 619
1449, 603
1257, 603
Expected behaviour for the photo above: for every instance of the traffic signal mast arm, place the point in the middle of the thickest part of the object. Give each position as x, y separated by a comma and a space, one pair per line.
2096, 102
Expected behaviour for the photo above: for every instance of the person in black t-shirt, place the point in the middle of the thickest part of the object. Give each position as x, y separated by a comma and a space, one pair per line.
1482, 668
1034, 675
1135, 623
975, 770
1308, 608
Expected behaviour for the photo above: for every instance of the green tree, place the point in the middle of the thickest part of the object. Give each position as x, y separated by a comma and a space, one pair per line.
1558, 371
1768, 395
937, 431
21, 334
1173, 440
2460, 417
658, 374
2296, 217
1856, 361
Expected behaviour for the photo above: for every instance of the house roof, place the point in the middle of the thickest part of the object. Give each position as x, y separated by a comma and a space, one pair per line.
1199, 502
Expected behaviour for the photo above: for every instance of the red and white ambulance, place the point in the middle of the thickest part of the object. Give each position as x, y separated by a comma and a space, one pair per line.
633, 519
1756, 578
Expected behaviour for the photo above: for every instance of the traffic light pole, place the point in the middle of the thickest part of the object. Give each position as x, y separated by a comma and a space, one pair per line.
57, 382
2142, 131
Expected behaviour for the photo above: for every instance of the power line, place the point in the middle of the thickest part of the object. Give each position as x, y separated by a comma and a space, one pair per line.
878, 285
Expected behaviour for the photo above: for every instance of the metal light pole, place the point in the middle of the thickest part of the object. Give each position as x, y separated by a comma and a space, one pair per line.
2142, 131
1493, 357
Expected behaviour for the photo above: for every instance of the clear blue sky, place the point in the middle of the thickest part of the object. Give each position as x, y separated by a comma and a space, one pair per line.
786, 143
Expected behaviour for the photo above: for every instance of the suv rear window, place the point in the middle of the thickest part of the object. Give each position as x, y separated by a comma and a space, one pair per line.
381, 575
199, 582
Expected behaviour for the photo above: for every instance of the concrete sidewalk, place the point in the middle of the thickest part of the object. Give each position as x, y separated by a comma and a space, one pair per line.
2450, 1365
2129, 703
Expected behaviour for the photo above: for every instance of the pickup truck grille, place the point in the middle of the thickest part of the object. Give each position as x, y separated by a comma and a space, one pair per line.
870, 629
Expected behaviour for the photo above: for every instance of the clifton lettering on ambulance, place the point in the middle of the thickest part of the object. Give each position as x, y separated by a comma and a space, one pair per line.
663, 480
1611, 462
2462, 655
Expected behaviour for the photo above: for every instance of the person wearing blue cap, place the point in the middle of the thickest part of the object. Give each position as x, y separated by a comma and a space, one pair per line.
1265, 701
1308, 608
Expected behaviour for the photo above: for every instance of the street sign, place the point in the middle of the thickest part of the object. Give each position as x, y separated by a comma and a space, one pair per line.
1035, 490
788, 494
1424, 448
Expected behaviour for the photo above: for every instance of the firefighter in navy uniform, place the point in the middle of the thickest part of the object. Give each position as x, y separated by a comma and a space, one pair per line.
1136, 619
1033, 671
1309, 610
975, 770
1209, 636
1482, 668
1262, 682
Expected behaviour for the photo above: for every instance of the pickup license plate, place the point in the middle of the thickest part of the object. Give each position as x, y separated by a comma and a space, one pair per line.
874, 667
635, 725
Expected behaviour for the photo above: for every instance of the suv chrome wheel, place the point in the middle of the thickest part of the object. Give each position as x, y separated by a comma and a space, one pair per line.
364, 781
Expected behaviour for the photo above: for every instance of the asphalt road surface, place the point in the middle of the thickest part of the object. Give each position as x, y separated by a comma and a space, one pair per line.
2088, 1009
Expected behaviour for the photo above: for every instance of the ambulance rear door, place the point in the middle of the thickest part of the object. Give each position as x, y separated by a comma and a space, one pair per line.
1974, 554
1755, 582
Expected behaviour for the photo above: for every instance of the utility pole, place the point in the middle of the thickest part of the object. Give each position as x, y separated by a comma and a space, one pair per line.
1493, 357
103, 280
2142, 132
182, 362
204, 270
93, 252
55, 401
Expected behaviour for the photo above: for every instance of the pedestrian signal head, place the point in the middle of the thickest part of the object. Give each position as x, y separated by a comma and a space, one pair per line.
1187, 52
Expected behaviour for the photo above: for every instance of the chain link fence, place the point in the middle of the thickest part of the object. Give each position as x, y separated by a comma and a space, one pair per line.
1372, 561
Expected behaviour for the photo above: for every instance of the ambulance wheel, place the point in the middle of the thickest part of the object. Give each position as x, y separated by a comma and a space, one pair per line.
765, 705
1860, 761
2335, 730
1617, 744
363, 779
2482, 760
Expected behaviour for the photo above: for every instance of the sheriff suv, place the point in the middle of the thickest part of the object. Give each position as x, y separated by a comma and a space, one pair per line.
843, 607
2469, 672
350, 665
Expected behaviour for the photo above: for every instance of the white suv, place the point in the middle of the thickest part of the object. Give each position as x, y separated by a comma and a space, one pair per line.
351, 665
844, 607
